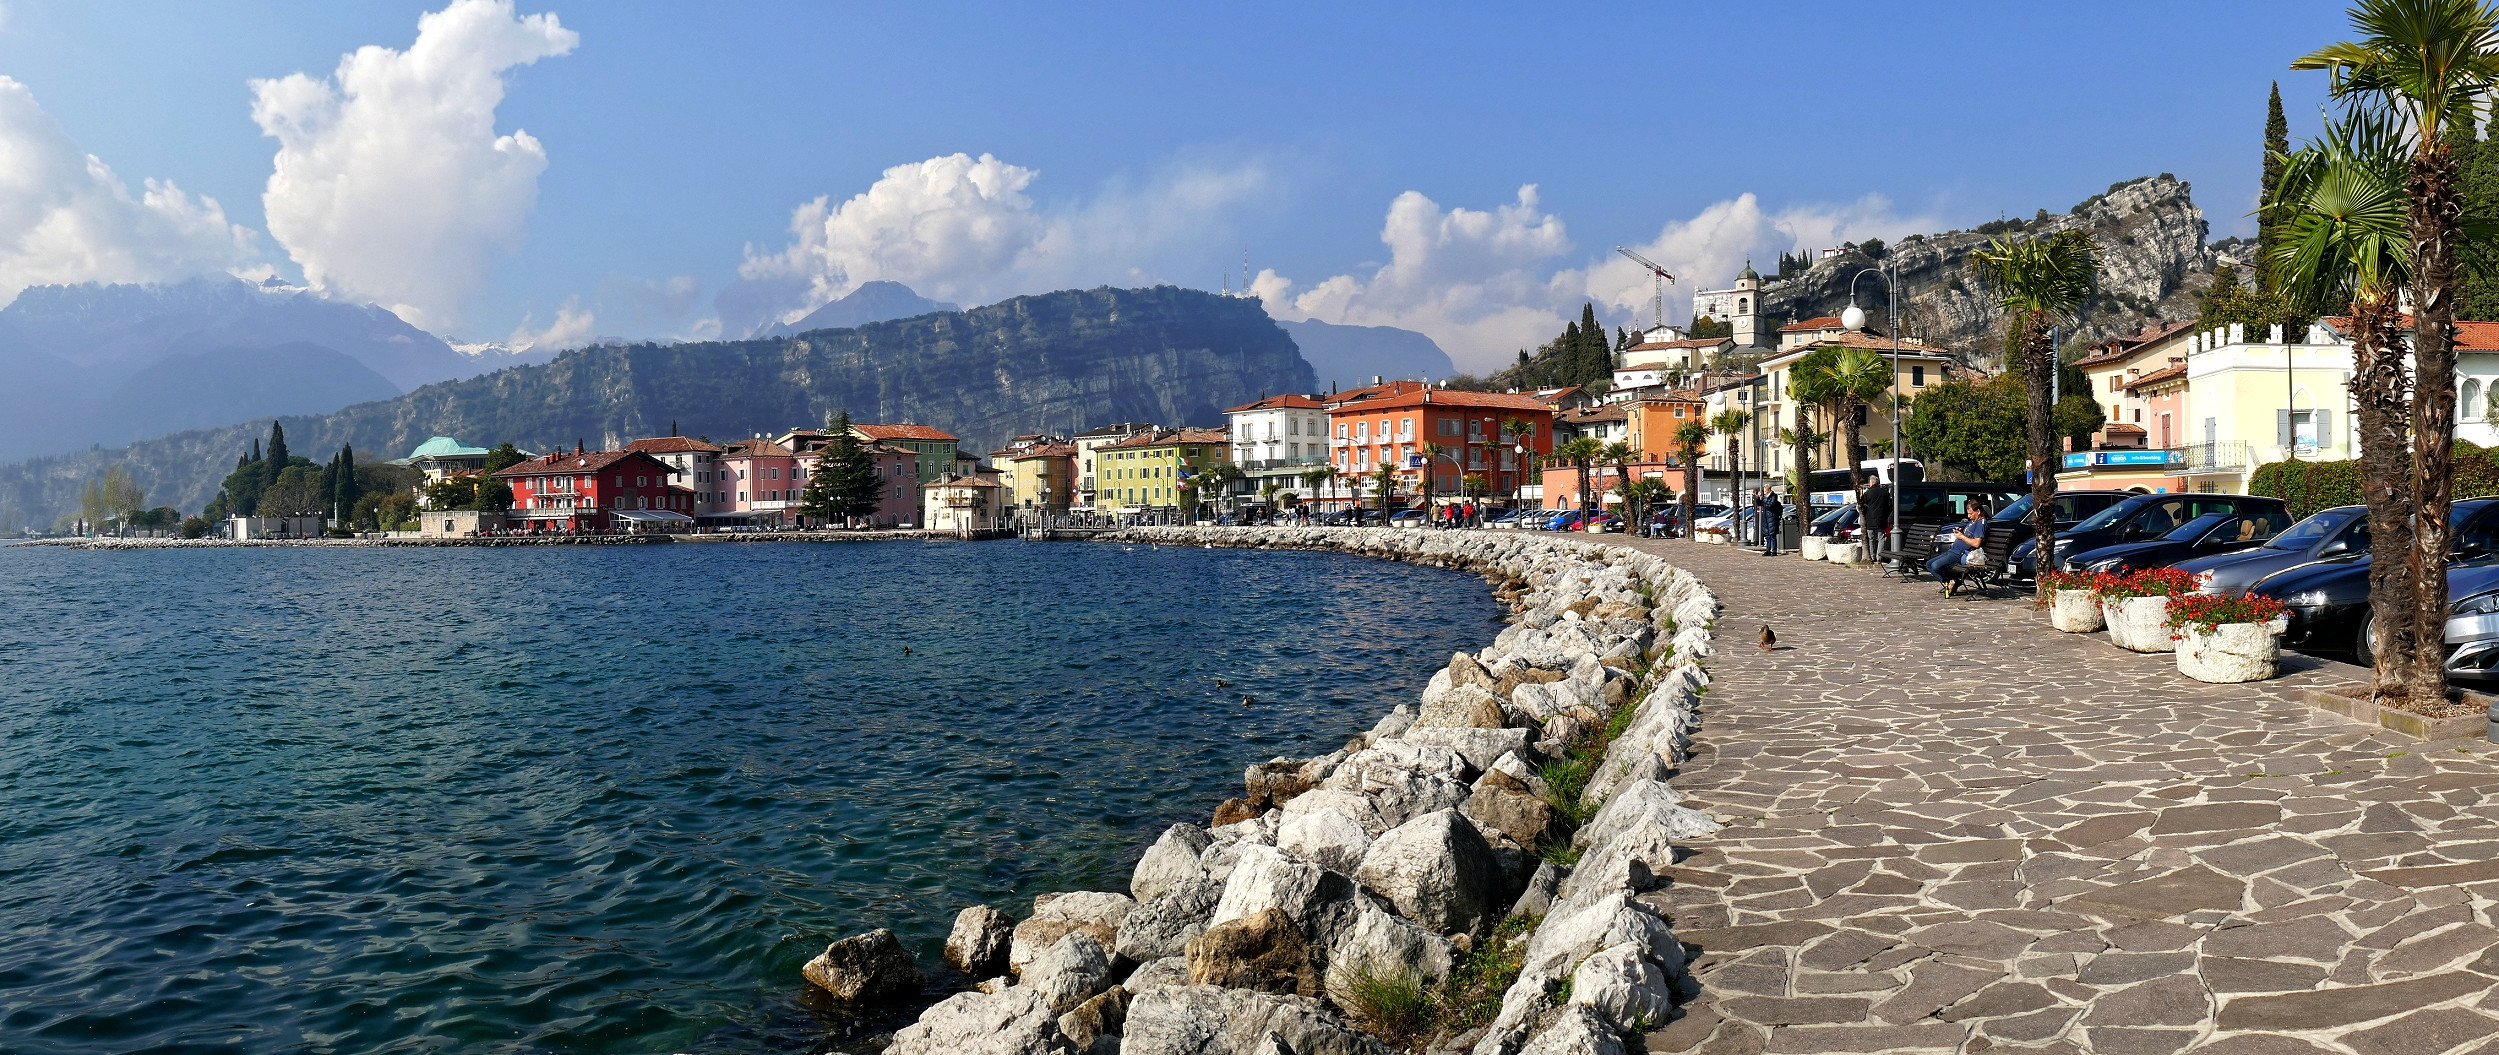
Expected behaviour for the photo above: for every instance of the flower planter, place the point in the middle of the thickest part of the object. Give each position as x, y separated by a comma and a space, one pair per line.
2076, 612
1813, 547
1842, 553
2231, 652
2138, 624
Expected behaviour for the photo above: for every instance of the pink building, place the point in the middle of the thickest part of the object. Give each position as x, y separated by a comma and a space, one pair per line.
763, 480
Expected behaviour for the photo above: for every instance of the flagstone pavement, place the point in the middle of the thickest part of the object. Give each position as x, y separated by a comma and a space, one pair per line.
1953, 829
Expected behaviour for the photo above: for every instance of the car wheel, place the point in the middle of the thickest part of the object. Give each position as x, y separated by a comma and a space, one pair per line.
2368, 639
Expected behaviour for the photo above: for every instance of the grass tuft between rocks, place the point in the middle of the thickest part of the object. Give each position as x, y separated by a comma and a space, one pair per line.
1393, 1007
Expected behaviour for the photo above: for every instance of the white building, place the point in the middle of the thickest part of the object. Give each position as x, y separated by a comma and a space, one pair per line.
1738, 306
964, 503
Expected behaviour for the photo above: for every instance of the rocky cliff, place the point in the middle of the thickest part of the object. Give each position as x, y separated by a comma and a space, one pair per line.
2153, 264
1059, 362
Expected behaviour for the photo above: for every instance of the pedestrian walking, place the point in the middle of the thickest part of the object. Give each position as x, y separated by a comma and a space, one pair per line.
1770, 526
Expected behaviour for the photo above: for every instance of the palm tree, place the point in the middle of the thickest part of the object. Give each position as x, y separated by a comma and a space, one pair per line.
1861, 376
2344, 249
1319, 478
1384, 479
1730, 423
1215, 482
1690, 438
1620, 455
2430, 64
1267, 496
1581, 452
2041, 282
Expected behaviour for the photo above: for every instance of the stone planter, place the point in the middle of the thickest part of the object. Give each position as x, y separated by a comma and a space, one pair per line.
2232, 652
2135, 623
1714, 538
1842, 553
1813, 547
2076, 612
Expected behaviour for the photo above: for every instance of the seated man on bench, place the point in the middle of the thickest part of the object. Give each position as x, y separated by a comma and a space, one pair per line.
1967, 536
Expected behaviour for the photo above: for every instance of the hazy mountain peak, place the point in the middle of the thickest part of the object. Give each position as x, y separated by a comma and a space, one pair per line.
876, 301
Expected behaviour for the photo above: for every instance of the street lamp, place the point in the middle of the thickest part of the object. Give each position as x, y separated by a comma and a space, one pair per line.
1855, 318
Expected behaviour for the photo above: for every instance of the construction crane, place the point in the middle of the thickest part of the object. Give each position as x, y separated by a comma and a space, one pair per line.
1663, 277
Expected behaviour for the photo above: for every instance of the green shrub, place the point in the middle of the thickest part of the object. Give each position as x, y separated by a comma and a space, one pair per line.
2308, 486
1393, 1007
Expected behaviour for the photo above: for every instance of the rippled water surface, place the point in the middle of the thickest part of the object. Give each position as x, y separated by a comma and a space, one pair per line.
609, 799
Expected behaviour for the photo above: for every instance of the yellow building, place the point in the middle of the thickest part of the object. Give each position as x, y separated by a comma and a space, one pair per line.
1920, 366
1043, 477
1146, 471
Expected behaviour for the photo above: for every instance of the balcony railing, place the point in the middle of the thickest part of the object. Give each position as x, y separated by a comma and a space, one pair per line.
1271, 464
2191, 460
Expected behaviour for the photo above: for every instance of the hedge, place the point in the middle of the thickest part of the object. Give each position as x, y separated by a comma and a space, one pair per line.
2311, 486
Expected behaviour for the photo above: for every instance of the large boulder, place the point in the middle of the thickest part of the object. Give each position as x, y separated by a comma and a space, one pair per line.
1378, 942
865, 967
1274, 783
1265, 952
1266, 877
1162, 927
1070, 972
1156, 974
1438, 871
1478, 747
1207, 1020
978, 944
1057, 915
1645, 802
1576, 930
1526, 819
1466, 706
1621, 984
1401, 780
1327, 836
1576, 1031
1010, 1022
1354, 805
1172, 859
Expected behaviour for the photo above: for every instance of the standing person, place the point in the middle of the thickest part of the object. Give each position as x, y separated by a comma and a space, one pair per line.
1874, 518
1770, 526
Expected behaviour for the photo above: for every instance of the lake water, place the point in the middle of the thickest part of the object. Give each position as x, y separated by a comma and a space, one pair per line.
608, 799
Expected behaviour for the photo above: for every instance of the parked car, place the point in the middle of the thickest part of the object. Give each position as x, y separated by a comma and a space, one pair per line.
1566, 520
2329, 598
1601, 522
1838, 524
2203, 536
1408, 518
2326, 533
1502, 518
2143, 518
2072, 508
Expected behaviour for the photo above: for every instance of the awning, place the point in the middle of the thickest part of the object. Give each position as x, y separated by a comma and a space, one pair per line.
650, 516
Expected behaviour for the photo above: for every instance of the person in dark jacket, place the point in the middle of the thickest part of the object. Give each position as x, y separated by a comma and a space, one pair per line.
1771, 528
1874, 516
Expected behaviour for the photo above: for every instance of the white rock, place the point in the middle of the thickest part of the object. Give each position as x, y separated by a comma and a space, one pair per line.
1162, 927
1479, 748
1158, 974
1055, 915
1172, 859
1621, 984
1266, 877
1376, 941
1013, 1021
1069, 972
1206, 1020
1577, 1031
1438, 871
1327, 836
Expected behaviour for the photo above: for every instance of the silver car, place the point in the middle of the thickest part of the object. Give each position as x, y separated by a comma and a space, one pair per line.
2325, 533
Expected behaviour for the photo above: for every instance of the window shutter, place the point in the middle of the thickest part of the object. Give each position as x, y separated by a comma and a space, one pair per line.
2282, 428
2325, 430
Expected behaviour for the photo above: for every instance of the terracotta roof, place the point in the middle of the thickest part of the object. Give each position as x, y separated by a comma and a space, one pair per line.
755, 449
1287, 401
2158, 376
2123, 429
1368, 392
1045, 450
2122, 348
974, 480
1167, 437
586, 462
903, 432
887, 448
1827, 322
1591, 415
1861, 339
1450, 397
670, 445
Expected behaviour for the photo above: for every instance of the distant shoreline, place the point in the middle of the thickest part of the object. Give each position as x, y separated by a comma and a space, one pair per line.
502, 540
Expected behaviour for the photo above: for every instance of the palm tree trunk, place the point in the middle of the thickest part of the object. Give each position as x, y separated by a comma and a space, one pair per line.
1582, 465
1850, 434
2038, 362
1691, 487
2434, 213
2378, 398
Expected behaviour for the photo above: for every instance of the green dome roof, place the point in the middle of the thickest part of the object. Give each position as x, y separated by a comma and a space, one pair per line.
1748, 272
443, 447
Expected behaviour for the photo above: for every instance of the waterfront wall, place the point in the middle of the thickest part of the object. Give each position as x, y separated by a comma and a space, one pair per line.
518, 540
1504, 828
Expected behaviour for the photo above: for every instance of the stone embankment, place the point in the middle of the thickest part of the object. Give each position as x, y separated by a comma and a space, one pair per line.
510, 540
1476, 874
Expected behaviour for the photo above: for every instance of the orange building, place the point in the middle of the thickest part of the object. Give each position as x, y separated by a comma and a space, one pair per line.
1391, 428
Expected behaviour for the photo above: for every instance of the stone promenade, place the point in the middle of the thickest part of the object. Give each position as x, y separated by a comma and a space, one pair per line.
1955, 830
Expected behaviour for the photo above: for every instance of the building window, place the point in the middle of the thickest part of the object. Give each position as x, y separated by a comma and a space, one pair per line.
1917, 377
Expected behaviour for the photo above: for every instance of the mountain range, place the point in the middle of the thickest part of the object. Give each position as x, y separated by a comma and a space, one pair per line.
1058, 362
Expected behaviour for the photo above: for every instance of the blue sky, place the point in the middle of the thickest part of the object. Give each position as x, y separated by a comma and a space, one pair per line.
1149, 142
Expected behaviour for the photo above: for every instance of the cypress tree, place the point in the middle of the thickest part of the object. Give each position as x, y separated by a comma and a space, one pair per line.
2268, 224
346, 492
278, 456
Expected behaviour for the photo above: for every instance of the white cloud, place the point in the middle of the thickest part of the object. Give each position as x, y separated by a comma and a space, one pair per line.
1482, 284
65, 217
964, 229
391, 183
572, 328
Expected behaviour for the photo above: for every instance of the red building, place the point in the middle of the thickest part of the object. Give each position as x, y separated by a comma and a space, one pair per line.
597, 491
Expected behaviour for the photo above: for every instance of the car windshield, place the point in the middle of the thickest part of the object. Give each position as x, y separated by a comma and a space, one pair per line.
1833, 517
2307, 532
2016, 511
2195, 529
2111, 515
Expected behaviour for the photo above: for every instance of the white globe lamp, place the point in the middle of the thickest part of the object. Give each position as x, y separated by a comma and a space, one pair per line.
1855, 317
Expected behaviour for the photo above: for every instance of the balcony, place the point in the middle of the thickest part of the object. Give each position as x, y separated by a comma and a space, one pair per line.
1306, 461
2192, 460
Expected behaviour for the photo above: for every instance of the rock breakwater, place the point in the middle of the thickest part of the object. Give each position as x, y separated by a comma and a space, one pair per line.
513, 540
1472, 875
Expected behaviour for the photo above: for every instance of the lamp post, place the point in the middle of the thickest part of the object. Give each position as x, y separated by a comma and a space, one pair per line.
1855, 318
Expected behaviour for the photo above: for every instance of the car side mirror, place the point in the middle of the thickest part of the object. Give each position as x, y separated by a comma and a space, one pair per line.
2334, 547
